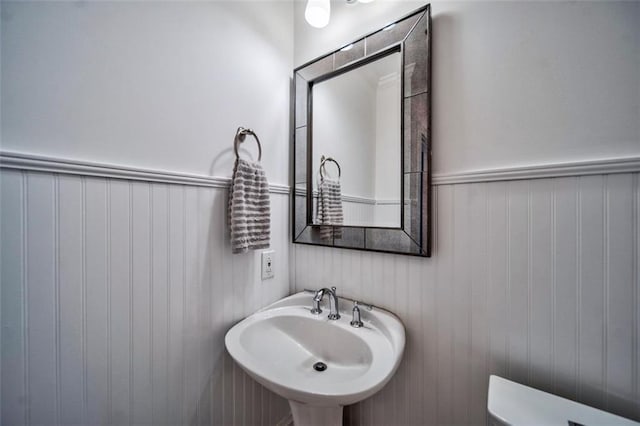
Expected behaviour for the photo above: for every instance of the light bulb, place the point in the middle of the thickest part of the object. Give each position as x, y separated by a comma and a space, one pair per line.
317, 13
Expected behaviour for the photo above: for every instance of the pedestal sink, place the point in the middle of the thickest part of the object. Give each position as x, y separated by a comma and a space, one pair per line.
319, 365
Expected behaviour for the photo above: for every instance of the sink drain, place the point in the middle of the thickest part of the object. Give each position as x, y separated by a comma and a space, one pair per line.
320, 366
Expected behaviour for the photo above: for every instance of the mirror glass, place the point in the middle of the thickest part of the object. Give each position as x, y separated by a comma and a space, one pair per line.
356, 122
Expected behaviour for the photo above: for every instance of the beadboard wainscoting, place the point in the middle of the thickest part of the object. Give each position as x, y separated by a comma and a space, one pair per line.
371, 213
116, 296
535, 280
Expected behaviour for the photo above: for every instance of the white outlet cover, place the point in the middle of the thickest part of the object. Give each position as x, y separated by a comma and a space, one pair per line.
267, 264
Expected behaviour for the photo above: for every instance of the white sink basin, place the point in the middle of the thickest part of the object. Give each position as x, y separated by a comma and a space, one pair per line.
279, 345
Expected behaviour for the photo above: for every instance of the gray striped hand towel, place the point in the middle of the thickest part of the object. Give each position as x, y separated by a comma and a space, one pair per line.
329, 208
249, 207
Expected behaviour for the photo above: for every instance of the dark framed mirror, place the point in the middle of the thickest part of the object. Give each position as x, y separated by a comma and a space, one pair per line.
362, 142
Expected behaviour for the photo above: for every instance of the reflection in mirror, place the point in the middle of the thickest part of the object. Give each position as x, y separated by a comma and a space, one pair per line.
356, 119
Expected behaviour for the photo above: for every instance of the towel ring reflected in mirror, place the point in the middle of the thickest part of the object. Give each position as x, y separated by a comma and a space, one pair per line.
323, 170
241, 135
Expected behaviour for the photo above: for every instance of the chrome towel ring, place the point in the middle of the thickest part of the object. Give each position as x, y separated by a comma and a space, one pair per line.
323, 160
241, 134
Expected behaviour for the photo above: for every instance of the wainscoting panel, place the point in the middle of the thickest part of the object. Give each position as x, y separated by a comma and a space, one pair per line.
116, 296
534, 280
356, 212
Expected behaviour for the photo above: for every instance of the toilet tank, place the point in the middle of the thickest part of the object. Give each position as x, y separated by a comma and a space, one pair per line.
513, 404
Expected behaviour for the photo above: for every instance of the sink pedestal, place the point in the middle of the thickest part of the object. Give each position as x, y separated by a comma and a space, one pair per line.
307, 415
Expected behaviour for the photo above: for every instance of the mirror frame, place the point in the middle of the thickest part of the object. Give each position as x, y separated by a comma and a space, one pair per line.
411, 36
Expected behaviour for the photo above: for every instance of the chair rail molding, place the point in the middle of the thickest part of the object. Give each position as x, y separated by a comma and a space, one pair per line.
34, 162
602, 166
26, 161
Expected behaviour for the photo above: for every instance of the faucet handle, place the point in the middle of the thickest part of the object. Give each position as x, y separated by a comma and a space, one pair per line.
315, 309
356, 321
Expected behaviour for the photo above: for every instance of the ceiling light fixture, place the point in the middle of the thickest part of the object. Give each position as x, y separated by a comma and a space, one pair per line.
318, 12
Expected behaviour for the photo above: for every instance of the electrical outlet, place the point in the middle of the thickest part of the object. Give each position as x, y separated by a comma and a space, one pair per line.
267, 264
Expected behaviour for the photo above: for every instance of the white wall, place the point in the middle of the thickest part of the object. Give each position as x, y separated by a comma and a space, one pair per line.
515, 83
535, 280
115, 293
160, 85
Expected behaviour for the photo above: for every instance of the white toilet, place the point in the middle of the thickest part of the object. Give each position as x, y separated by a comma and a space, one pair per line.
513, 404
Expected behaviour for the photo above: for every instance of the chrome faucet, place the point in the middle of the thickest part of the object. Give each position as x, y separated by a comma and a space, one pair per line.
334, 312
